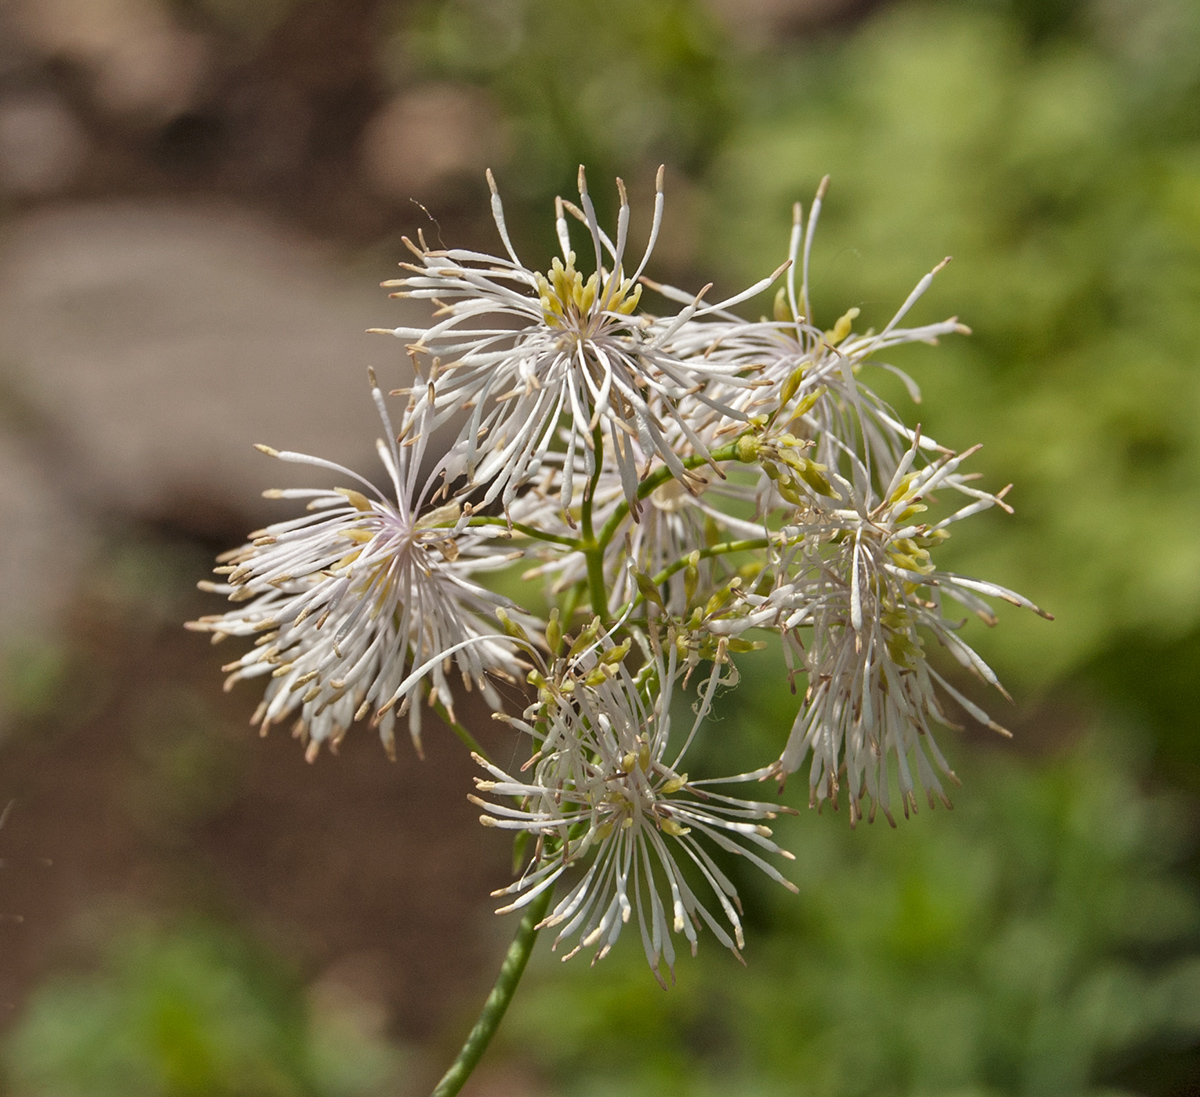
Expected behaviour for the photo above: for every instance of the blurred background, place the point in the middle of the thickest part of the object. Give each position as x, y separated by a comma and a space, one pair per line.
198, 199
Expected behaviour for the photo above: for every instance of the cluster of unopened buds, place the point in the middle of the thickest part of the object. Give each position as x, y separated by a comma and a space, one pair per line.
685, 484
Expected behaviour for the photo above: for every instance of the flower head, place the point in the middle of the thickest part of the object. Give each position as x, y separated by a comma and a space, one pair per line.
603, 783
530, 354
363, 601
863, 581
810, 381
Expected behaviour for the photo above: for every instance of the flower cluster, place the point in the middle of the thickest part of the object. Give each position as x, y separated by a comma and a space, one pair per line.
687, 483
602, 784
362, 602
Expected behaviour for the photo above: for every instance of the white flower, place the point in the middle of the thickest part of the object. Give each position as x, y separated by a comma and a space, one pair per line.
523, 351
863, 581
603, 783
362, 601
811, 380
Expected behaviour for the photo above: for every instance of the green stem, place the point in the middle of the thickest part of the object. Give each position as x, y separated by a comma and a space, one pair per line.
719, 549
589, 494
597, 592
593, 551
497, 1002
521, 527
713, 550
656, 479
469, 739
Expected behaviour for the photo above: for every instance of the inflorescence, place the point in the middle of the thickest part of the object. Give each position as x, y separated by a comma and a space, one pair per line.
687, 485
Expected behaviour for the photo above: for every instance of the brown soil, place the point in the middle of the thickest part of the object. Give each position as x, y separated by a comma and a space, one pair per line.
144, 789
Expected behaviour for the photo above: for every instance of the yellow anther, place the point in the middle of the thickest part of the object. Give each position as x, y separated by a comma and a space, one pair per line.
842, 328
356, 499
792, 384
901, 490
445, 515
511, 627
568, 301
553, 632
781, 310
808, 402
617, 654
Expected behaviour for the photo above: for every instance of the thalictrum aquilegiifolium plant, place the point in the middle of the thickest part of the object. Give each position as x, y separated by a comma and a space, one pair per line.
688, 484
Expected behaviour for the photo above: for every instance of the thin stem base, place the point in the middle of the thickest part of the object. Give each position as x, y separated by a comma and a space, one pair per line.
497, 1001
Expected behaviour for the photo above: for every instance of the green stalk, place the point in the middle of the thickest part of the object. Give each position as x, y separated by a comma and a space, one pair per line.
497, 1002
471, 742
596, 589
656, 479
589, 494
521, 527
593, 551
720, 549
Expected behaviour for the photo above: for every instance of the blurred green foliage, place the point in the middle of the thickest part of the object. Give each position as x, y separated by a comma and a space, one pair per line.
613, 84
190, 1012
1070, 200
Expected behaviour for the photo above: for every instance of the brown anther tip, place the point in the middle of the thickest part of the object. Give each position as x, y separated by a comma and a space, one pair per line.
491, 180
658, 178
822, 188
382, 331
582, 181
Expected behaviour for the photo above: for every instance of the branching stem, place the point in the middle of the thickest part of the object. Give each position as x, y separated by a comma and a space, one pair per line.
521, 527
720, 549
656, 479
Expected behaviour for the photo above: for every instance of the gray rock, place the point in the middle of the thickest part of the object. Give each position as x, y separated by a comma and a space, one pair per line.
45, 543
42, 146
152, 345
